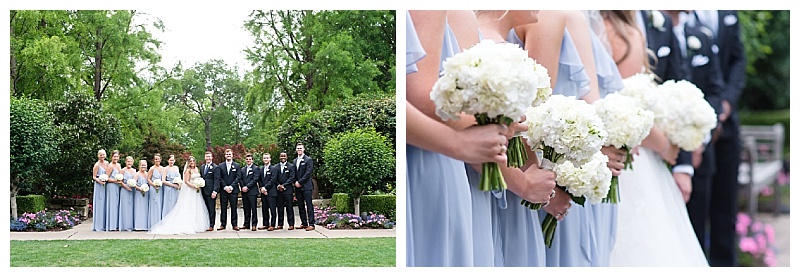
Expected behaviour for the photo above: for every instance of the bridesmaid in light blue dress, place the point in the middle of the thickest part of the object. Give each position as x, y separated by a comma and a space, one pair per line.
438, 203
156, 198
141, 200
126, 196
99, 194
112, 194
571, 80
609, 81
170, 192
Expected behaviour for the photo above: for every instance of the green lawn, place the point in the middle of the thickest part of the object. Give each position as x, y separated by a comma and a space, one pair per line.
349, 252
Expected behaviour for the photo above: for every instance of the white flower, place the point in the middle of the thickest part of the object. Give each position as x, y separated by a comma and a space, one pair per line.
157, 183
489, 78
570, 127
626, 122
590, 180
683, 114
199, 182
145, 187
693, 42
177, 180
132, 183
642, 88
103, 177
119, 177
658, 20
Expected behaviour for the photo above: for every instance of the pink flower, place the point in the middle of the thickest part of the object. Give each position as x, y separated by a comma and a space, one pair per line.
762, 242
769, 257
770, 232
766, 191
741, 224
748, 244
757, 227
783, 178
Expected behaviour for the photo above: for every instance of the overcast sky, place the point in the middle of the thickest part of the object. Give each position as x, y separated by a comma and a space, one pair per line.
203, 34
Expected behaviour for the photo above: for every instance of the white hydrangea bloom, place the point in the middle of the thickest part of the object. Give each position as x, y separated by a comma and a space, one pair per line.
642, 88
626, 122
570, 127
683, 114
590, 180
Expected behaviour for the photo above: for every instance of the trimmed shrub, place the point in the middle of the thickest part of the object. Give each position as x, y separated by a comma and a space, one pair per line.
384, 204
31, 203
342, 202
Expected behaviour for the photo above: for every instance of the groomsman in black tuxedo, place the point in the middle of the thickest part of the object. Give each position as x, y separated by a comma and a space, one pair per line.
723, 27
660, 38
210, 173
249, 184
229, 177
304, 187
269, 193
284, 185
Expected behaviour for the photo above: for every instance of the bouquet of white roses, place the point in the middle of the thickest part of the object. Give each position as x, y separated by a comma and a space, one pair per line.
495, 83
119, 177
641, 87
177, 181
563, 127
683, 114
103, 178
132, 183
157, 184
588, 181
145, 188
627, 124
199, 183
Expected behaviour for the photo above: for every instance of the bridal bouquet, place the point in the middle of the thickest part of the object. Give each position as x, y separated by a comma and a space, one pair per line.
494, 82
627, 124
103, 178
642, 88
683, 114
132, 183
157, 184
145, 188
178, 181
119, 177
563, 127
588, 181
199, 183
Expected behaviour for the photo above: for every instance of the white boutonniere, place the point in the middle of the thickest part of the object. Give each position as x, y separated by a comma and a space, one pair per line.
729, 20
693, 42
233, 169
658, 20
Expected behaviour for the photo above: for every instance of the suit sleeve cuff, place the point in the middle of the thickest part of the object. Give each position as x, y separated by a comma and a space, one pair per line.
683, 168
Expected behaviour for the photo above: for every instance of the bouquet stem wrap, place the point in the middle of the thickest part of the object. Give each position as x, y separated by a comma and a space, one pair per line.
491, 177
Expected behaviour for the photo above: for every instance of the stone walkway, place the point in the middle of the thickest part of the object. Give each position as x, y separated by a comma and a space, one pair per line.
84, 231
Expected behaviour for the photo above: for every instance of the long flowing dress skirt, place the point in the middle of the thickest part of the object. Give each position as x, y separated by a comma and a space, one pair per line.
126, 206
112, 203
156, 199
99, 204
141, 207
170, 194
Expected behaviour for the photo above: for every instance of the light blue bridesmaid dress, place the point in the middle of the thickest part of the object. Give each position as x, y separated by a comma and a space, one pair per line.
573, 241
414, 51
112, 203
609, 81
170, 193
156, 200
438, 201
99, 203
126, 204
141, 205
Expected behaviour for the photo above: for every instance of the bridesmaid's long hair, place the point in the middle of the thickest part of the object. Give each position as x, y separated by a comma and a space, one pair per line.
620, 21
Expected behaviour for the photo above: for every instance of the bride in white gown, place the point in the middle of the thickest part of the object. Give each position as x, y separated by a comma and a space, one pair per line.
189, 215
653, 227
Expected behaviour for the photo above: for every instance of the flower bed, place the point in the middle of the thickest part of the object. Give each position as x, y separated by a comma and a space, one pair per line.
46, 221
326, 217
756, 242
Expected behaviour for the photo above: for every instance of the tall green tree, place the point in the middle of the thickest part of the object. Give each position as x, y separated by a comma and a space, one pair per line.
765, 35
32, 145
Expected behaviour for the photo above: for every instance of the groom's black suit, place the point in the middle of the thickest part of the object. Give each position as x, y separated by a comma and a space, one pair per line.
210, 174
229, 177
268, 180
305, 202
249, 178
662, 41
286, 178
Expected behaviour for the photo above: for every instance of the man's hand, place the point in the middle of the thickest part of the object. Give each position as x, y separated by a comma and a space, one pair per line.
264, 191
296, 184
245, 189
684, 182
697, 157
213, 194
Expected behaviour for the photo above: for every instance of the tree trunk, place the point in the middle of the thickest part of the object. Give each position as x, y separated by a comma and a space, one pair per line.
357, 206
14, 190
207, 126
13, 64
98, 66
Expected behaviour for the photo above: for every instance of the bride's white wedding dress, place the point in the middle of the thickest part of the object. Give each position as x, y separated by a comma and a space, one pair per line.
189, 215
653, 227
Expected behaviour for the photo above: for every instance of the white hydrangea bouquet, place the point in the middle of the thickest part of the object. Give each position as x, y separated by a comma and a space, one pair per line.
177, 181
495, 83
641, 87
199, 183
132, 183
683, 114
119, 177
588, 181
157, 184
627, 124
564, 128
103, 178
145, 188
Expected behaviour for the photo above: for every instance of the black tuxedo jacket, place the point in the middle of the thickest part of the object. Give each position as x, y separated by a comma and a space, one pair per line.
210, 173
732, 65
662, 41
229, 179
268, 176
249, 176
286, 177
304, 171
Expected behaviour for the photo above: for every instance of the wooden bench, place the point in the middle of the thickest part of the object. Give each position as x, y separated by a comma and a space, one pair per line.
762, 161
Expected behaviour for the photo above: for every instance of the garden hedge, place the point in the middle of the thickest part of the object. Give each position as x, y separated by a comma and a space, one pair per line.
384, 204
31, 203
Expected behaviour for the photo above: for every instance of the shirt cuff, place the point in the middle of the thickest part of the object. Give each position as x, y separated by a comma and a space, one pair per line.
683, 168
